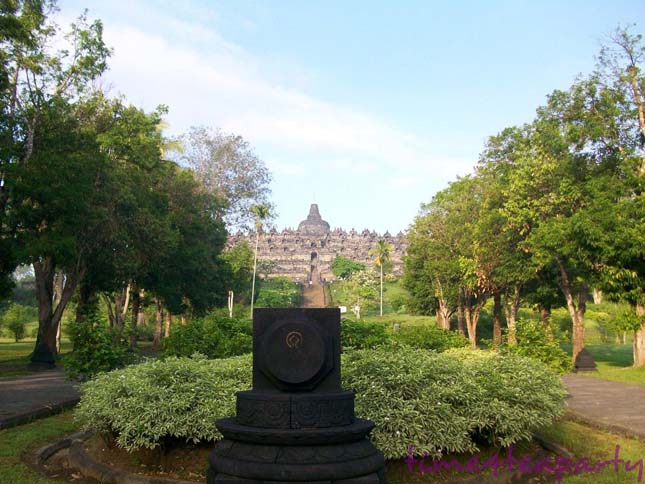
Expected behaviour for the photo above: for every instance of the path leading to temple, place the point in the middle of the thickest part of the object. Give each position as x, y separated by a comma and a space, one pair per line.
313, 295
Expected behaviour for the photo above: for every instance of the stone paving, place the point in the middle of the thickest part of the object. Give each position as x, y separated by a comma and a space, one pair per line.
24, 398
613, 405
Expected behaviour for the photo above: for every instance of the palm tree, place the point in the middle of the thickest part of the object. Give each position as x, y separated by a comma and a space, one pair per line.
261, 213
382, 251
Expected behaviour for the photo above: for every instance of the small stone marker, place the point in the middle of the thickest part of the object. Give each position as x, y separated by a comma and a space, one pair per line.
296, 424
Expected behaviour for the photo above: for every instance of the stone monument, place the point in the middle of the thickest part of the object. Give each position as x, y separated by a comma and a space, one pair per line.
296, 424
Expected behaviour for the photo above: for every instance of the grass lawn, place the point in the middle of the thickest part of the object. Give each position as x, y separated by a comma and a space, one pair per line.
597, 445
614, 362
28, 438
14, 357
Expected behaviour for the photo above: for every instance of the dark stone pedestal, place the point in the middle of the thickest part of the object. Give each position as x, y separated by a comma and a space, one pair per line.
297, 425
585, 362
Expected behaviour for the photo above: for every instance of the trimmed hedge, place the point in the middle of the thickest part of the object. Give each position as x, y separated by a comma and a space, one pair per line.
435, 401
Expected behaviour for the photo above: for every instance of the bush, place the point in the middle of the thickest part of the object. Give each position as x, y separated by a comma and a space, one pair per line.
436, 402
96, 348
15, 317
534, 341
277, 292
450, 401
362, 334
430, 337
213, 336
150, 404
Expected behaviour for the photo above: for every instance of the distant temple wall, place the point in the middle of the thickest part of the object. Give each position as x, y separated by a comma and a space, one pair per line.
307, 253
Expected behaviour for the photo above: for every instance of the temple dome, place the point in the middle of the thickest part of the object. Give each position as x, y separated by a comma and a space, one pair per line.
313, 224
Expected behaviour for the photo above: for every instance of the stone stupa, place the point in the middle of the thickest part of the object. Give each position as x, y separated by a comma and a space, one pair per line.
313, 224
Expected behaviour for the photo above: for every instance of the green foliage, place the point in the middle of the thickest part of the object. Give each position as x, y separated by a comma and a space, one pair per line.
436, 402
239, 258
214, 336
16, 317
150, 404
97, 348
430, 337
278, 292
363, 334
343, 268
535, 341
450, 401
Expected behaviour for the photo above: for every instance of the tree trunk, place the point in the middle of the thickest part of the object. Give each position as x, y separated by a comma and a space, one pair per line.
59, 284
381, 312
444, 314
183, 319
497, 319
167, 324
230, 304
255, 268
545, 316
136, 302
597, 295
471, 312
511, 308
639, 338
439, 316
576, 311
156, 339
49, 316
460, 313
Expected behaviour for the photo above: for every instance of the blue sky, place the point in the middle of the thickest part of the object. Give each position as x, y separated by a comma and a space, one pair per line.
366, 107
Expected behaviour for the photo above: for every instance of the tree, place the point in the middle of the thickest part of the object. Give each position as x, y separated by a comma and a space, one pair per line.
343, 268
229, 169
239, 259
42, 143
382, 253
261, 213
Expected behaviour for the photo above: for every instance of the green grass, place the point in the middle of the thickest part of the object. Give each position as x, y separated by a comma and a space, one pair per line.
14, 357
596, 445
614, 362
14, 442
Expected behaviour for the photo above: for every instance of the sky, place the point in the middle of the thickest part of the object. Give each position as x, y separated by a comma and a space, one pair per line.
367, 108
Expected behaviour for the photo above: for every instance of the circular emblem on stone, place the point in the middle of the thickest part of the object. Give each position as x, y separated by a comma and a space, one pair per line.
294, 352
294, 340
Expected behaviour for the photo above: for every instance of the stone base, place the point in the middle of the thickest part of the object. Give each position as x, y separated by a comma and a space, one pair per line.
356, 462
373, 478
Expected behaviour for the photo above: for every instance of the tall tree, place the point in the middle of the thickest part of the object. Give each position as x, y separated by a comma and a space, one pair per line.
261, 213
382, 253
229, 169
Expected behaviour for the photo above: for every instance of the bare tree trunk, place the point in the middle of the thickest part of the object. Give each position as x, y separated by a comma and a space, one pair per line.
167, 324
460, 313
576, 312
511, 308
497, 319
255, 268
381, 312
141, 315
156, 339
49, 316
444, 314
136, 302
639, 338
597, 295
59, 284
545, 316
439, 316
183, 319
230, 304
471, 312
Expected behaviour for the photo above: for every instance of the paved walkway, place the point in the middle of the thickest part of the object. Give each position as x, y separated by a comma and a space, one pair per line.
24, 398
613, 405
313, 296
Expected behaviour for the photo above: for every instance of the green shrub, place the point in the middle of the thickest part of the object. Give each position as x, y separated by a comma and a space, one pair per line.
96, 348
450, 401
534, 341
435, 401
150, 404
213, 336
277, 292
362, 334
430, 337
15, 317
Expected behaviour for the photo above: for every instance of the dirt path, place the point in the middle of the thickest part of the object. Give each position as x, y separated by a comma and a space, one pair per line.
27, 397
614, 405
